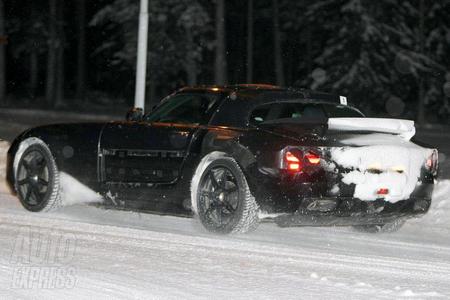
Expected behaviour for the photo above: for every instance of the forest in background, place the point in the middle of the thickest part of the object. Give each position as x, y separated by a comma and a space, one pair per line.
391, 58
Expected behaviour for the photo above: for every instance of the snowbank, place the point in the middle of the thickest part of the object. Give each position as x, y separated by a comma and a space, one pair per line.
395, 166
4, 146
74, 192
439, 213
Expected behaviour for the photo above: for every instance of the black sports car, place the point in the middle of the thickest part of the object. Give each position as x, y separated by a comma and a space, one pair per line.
235, 155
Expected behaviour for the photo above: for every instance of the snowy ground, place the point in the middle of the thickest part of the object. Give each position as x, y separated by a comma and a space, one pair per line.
85, 252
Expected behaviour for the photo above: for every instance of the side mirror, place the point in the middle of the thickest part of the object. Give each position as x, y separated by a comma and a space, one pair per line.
135, 114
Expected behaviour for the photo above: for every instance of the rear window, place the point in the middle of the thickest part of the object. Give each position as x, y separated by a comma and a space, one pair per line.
291, 111
341, 111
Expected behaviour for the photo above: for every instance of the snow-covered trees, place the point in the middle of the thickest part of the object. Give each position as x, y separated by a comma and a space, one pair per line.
27, 37
81, 50
220, 67
178, 37
374, 50
437, 47
389, 56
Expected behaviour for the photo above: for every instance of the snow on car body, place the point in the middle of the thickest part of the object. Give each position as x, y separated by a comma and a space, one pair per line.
234, 154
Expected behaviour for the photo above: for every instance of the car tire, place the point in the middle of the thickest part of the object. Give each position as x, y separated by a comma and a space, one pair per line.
388, 227
37, 179
224, 202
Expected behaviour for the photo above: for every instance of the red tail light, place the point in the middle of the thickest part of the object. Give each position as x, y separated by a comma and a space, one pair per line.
293, 162
383, 191
312, 158
296, 160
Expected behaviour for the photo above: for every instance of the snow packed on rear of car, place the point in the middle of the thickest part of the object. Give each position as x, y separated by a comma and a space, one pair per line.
382, 160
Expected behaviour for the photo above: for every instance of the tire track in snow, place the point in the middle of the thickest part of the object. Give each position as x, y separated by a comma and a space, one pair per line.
121, 236
261, 256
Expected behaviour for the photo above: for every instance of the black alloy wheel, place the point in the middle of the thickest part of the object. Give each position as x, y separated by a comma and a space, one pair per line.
37, 180
225, 204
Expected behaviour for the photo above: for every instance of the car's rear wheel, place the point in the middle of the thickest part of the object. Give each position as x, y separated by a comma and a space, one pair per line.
224, 201
37, 179
387, 227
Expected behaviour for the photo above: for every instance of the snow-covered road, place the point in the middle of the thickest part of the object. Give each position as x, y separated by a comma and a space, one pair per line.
127, 255
84, 252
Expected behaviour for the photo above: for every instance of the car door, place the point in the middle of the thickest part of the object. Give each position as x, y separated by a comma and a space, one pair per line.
153, 150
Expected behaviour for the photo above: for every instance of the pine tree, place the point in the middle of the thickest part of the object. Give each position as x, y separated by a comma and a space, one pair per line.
81, 50
437, 47
3, 41
278, 56
50, 90
221, 52
250, 38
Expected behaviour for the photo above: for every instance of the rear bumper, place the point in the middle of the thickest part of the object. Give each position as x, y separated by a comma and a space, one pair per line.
361, 213
345, 211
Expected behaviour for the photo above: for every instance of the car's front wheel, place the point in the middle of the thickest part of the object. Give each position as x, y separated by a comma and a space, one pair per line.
224, 201
37, 179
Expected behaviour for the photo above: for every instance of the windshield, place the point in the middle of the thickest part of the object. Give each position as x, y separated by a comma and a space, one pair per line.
185, 108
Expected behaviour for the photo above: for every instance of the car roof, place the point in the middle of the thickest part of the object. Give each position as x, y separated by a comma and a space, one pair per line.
241, 99
262, 91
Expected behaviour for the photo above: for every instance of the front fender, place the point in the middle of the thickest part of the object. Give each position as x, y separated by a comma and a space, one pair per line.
73, 146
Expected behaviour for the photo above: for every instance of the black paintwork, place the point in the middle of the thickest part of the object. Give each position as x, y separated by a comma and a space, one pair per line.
150, 165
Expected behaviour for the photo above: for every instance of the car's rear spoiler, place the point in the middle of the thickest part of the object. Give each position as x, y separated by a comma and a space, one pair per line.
403, 128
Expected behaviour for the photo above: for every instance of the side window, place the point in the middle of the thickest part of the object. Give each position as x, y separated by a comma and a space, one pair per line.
184, 108
287, 110
312, 112
259, 115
